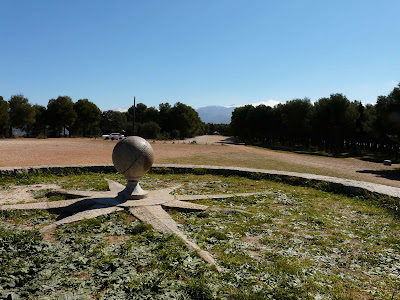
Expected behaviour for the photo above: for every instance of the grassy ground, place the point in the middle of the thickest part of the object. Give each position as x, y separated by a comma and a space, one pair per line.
294, 243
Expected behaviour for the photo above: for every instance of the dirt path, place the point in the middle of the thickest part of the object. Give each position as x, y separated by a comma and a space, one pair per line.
208, 150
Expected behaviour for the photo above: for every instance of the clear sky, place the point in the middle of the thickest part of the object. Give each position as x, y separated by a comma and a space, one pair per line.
198, 52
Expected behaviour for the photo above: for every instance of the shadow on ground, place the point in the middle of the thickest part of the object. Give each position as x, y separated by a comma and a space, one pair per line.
388, 174
230, 140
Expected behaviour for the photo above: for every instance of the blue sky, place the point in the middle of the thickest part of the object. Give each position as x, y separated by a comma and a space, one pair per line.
198, 52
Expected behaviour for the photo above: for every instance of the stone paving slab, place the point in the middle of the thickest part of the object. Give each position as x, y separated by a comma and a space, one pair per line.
156, 197
96, 211
149, 213
143, 202
24, 192
114, 186
49, 204
217, 196
185, 205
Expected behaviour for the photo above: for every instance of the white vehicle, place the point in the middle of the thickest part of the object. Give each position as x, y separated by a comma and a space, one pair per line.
113, 136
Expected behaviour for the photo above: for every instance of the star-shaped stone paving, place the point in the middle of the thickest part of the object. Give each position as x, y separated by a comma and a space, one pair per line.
89, 204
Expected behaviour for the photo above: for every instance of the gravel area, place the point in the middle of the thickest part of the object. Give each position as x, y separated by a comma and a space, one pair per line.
209, 150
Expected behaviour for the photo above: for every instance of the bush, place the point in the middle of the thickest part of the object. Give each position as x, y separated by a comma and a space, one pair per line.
42, 136
149, 130
163, 136
175, 134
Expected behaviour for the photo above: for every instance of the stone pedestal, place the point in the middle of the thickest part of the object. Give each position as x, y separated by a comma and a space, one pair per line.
132, 191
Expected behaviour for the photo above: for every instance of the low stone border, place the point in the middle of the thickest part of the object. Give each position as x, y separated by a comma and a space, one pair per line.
388, 196
56, 169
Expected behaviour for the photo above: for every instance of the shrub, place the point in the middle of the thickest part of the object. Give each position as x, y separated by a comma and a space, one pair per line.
42, 136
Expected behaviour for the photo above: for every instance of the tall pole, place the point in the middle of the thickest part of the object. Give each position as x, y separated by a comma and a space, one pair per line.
134, 114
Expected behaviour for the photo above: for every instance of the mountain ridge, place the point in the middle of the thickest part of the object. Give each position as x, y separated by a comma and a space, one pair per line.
215, 114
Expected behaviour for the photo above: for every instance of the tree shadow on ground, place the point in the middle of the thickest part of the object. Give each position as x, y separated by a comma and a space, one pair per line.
388, 174
230, 140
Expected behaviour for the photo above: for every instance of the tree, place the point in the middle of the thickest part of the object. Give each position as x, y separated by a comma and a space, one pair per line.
22, 113
4, 115
388, 115
113, 121
61, 114
151, 114
185, 119
140, 109
240, 123
88, 116
175, 134
41, 121
149, 130
334, 119
163, 117
296, 116
222, 129
259, 120
369, 122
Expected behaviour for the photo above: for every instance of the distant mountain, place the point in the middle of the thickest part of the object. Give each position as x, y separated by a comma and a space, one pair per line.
223, 114
215, 114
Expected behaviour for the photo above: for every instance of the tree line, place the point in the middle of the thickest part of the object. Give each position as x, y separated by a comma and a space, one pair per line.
84, 118
334, 125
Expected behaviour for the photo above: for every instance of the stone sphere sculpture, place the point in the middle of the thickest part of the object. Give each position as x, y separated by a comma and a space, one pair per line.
133, 157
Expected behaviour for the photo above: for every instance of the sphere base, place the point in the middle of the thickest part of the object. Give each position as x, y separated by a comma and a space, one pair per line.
132, 191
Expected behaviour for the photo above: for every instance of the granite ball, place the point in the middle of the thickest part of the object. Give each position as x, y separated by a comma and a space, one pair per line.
133, 157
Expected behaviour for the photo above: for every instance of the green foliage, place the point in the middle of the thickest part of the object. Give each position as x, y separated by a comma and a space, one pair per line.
198, 289
148, 130
140, 112
85, 118
61, 113
139, 228
185, 119
163, 110
4, 115
39, 127
222, 129
332, 125
88, 117
70, 180
175, 134
112, 121
296, 116
178, 121
151, 114
387, 122
241, 124
334, 119
22, 113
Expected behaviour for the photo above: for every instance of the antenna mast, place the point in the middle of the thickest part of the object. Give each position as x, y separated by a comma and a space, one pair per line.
134, 114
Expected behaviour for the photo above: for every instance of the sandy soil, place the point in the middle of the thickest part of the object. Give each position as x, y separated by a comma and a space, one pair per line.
210, 150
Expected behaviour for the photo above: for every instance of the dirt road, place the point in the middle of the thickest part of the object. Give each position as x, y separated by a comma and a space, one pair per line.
208, 150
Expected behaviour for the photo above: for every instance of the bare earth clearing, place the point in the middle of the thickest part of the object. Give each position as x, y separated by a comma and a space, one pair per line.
209, 150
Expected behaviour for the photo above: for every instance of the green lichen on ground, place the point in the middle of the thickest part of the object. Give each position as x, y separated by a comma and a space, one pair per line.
294, 243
